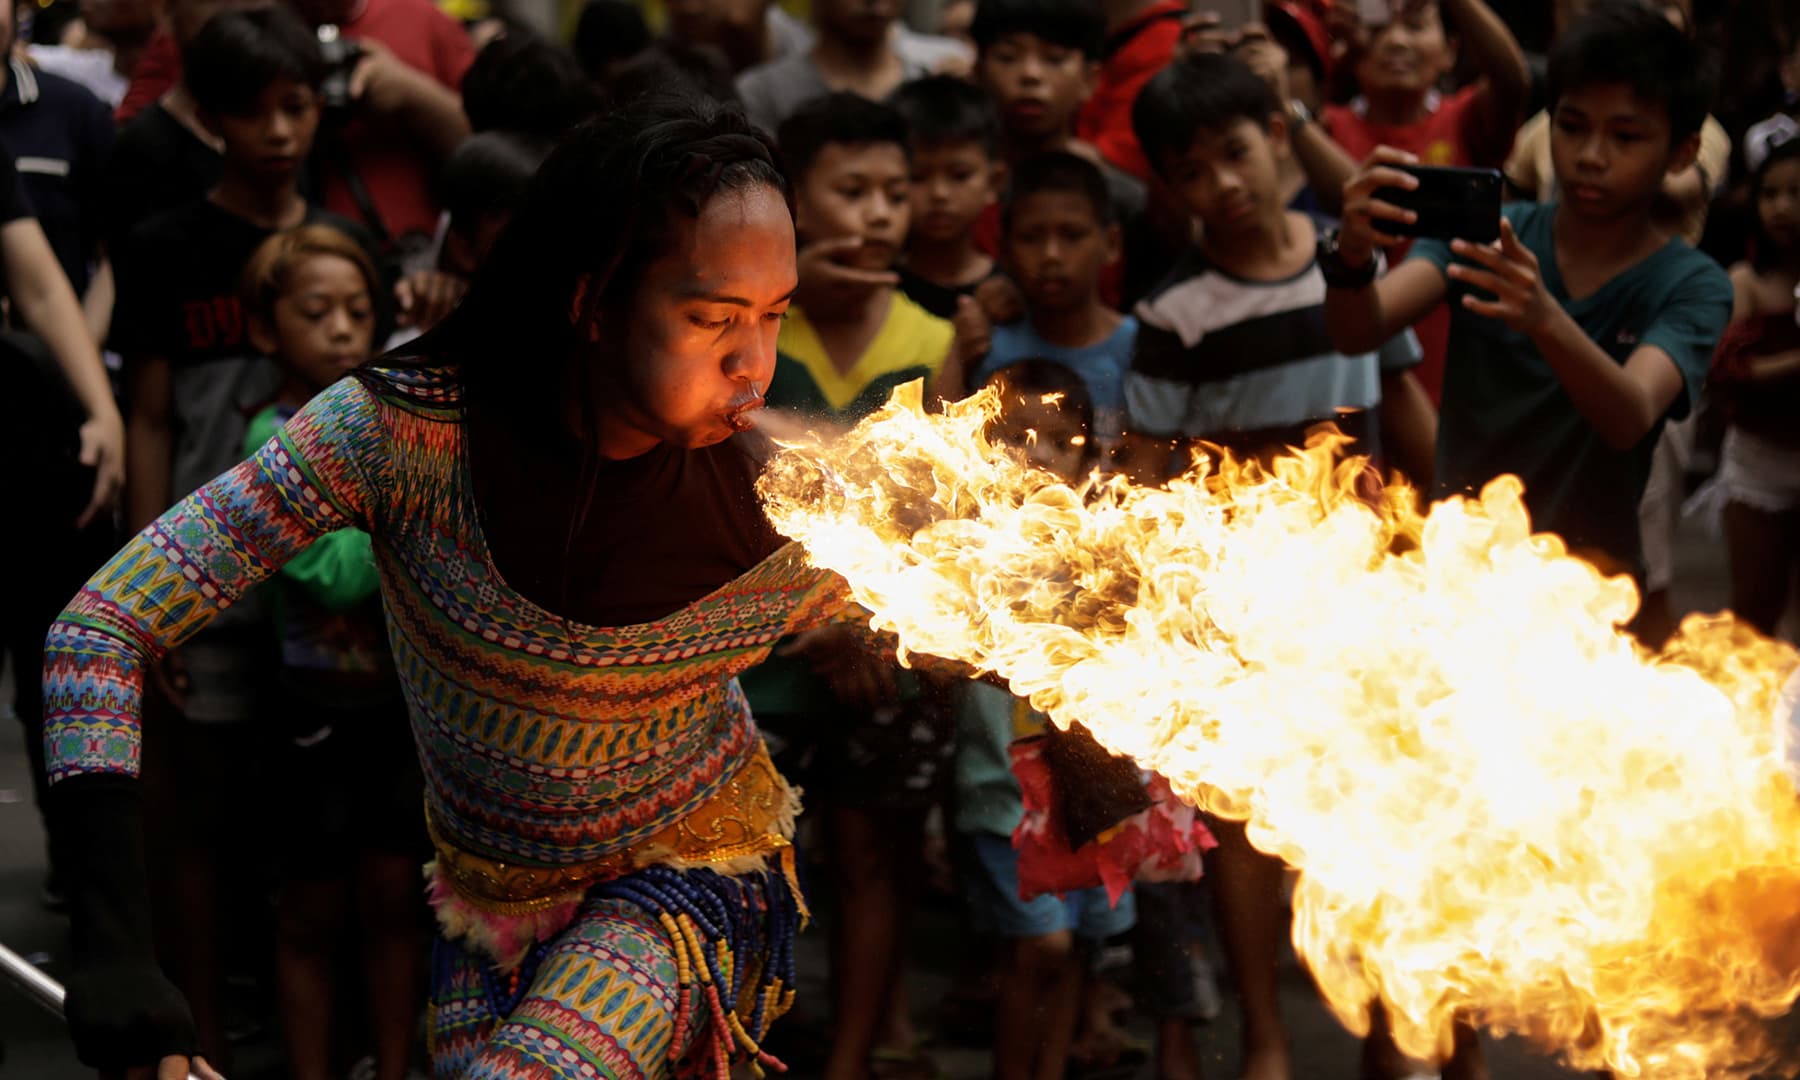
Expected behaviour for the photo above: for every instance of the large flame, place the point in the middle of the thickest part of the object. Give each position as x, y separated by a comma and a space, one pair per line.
1503, 810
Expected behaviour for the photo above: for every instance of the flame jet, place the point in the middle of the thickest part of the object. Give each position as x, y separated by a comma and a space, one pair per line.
1502, 808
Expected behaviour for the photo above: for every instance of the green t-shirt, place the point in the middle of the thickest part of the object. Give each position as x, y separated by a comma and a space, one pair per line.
328, 604
1505, 411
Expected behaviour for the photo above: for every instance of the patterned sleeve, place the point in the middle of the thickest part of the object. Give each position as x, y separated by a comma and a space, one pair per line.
319, 473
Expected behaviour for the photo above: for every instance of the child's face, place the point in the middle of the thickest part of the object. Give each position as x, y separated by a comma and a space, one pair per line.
861, 191
1049, 437
1611, 149
1408, 54
1056, 247
1230, 177
1778, 204
1038, 85
952, 183
861, 22
324, 324
269, 141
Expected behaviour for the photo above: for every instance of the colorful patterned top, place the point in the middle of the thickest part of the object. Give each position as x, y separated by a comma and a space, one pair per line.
544, 742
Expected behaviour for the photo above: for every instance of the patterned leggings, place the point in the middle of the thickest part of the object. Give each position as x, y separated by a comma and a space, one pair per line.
597, 1002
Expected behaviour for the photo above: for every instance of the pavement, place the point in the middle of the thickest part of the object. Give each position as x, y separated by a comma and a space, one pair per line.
36, 1048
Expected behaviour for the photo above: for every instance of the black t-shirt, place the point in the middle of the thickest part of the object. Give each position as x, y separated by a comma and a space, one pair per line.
939, 300
179, 275
178, 280
60, 135
13, 202
156, 166
665, 528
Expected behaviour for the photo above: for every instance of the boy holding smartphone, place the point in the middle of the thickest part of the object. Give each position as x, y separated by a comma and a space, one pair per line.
1404, 51
1585, 326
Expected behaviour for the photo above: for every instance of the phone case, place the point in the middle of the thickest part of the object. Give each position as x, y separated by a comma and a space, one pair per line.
1452, 204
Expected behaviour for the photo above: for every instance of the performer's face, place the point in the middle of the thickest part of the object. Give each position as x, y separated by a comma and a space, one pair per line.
700, 331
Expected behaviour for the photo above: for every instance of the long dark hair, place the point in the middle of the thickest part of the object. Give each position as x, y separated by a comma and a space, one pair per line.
600, 207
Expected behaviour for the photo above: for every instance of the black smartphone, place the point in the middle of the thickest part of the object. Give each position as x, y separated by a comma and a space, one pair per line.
1452, 204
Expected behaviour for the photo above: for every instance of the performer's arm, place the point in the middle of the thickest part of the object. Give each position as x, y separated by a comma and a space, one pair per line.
183, 569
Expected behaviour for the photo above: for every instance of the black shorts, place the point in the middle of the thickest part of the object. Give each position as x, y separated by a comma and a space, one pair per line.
352, 786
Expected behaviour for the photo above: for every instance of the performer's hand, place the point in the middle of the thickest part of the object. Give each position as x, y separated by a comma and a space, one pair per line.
126, 1014
175, 1067
860, 676
1262, 54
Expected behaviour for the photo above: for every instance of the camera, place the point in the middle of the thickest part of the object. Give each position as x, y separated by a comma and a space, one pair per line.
340, 54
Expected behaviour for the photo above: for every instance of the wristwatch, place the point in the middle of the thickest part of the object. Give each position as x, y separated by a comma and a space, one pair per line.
1339, 274
1298, 115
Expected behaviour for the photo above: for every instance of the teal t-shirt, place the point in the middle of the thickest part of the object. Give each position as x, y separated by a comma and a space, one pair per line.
1505, 411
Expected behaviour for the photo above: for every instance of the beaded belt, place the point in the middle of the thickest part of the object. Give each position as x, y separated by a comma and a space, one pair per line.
750, 817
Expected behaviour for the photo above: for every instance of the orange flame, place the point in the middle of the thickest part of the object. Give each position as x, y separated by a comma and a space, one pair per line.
1503, 809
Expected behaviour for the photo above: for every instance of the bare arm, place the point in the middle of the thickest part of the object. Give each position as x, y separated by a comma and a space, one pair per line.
1506, 80
1776, 367
1620, 402
1409, 427
427, 110
149, 440
47, 304
97, 304
1361, 320
1327, 165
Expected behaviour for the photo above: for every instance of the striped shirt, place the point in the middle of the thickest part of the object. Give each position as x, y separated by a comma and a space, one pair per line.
1248, 364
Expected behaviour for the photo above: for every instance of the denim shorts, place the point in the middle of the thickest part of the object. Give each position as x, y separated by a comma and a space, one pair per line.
990, 879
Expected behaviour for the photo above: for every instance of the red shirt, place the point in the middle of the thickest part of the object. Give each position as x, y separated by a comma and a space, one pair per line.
1444, 137
396, 174
157, 72
1134, 54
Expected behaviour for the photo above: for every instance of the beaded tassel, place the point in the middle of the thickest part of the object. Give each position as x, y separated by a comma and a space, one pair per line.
733, 941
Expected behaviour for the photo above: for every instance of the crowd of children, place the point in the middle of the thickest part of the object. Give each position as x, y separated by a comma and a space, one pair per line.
1155, 230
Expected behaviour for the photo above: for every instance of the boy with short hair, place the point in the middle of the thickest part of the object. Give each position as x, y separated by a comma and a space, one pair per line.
1586, 326
1038, 60
1047, 941
193, 378
1231, 350
254, 76
1398, 67
843, 349
1059, 230
879, 741
956, 176
860, 47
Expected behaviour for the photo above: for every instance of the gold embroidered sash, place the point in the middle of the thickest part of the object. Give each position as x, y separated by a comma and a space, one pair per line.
749, 818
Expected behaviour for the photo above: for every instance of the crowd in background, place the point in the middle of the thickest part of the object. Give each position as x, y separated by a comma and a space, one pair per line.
1169, 219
